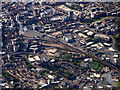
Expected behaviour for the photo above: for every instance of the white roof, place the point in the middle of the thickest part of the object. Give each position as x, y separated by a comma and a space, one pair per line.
6, 86
12, 82
85, 87
107, 44
82, 35
34, 46
52, 60
3, 84
102, 36
75, 31
50, 76
86, 31
52, 50
2, 52
99, 47
96, 75
111, 49
31, 59
88, 59
56, 18
90, 33
56, 33
88, 77
107, 58
44, 85
109, 86
57, 82
115, 80
115, 55
68, 9
100, 87
115, 60
95, 45
30, 16
36, 58
89, 43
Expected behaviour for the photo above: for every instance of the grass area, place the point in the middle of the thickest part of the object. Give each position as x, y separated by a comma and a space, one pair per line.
65, 56
57, 86
97, 66
74, 7
116, 39
45, 74
117, 84
94, 65
94, 20
100, 67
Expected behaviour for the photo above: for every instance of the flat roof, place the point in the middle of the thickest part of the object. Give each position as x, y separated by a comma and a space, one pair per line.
32, 33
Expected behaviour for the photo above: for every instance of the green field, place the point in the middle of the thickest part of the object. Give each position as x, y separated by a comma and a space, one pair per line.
100, 67
97, 66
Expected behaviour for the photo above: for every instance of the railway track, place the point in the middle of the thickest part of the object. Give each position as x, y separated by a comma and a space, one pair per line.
93, 57
79, 50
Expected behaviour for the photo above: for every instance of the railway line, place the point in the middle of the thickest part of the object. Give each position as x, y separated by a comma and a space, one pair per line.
90, 55
79, 50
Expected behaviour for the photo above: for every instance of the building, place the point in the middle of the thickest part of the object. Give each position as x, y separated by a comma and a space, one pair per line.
102, 36
68, 39
31, 59
82, 35
32, 34
37, 58
70, 14
15, 48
